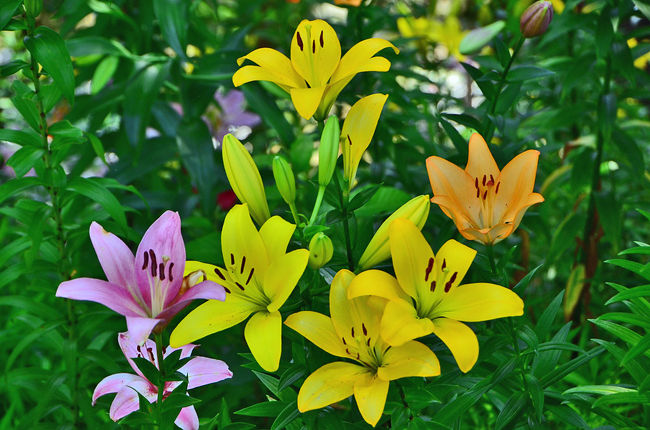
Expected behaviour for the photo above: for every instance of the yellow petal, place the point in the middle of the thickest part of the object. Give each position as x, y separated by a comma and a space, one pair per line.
400, 323
360, 59
480, 302
378, 250
318, 329
276, 234
193, 266
329, 384
412, 259
211, 317
358, 128
273, 66
517, 181
315, 52
263, 334
452, 263
306, 100
370, 393
244, 178
460, 340
283, 275
411, 359
480, 161
376, 283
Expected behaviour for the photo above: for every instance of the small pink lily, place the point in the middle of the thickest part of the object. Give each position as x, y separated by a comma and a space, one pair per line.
147, 289
199, 371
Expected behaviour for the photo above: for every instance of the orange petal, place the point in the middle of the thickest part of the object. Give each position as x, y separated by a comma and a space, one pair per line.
453, 183
517, 180
480, 161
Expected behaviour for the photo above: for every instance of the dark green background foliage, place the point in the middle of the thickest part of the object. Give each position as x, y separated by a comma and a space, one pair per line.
107, 79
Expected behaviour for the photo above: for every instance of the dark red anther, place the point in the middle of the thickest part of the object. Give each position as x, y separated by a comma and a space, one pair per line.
344, 342
161, 271
349, 140
241, 287
348, 351
444, 263
154, 264
450, 282
497, 189
365, 331
322, 42
476, 183
243, 263
232, 259
368, 342
250, 275
227, 290
491, 180
485, 195
484, 178
219, 274
146, 260
299, 40
433, 286
429, 268
171, 278
313, 46
352, 330
478, 193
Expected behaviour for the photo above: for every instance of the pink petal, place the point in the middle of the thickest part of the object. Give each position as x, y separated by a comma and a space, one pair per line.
202, 371
132, 349
164, 262
112, 296
140, 328
204, 290
127, 399
187, 419
186, 350
115, 257
112, 384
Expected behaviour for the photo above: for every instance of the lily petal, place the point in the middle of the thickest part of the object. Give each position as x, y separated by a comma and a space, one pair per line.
376, 283
452, 263
451, 181
460, 340
276, 234
480, 302
480, 161
272, 66
140, 328
113, 296
517, 181
360, 59
329, 384
370, 393
410, 359
113, 384
187, 419
127, 399
315, 51
211, 317
400, 323
132, 349
306, 100
263, 334
116, 258
319, 330
204, 290
202, 371
186, 350
282, 277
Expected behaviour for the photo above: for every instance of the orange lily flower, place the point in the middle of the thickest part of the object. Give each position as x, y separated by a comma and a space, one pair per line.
486, 204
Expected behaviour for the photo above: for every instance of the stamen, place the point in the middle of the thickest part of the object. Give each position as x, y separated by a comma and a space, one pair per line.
497, 189
344, 342
299, 40
349, 140
219, 274
154, 264
368, 342
476, 183
358, 356
348, 351
478, 193
243, 263
161, 271
485, 195
491, 180
484, 178
450, 281
250, 275
146, 260
227, 290
444, 264
365, 331
232, 259
171, 279
429, 268
352, 332
433, 286
322, 42
313, 46
150, 351
241, 287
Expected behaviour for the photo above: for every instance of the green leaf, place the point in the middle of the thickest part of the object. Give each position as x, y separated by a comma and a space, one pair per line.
626, 398
172, 18
91, 188
560, 372
526, 73
7, 10
510, 410
508, 98
14, 186
573, 289
12, 67
23, 159
640, 348
547, 318
568, 416
459, 142
630, 150
478, 38
643, 7
260, 102
103, 73
386, 200
523, 284
50, 51
23, 138
27, 107
265, 409
486, 85
95, 45
195, 146
629, 293
618, 330
288, 414
363, 196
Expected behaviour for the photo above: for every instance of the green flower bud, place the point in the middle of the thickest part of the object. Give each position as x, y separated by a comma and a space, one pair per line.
284, 179
535, 20
328, 151
320, 251
33, 7
244, 178
378, 250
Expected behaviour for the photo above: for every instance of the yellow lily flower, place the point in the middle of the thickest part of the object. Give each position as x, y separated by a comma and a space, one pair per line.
258, 278
316, 73
353, 332
486, 204
430, 299
358, 128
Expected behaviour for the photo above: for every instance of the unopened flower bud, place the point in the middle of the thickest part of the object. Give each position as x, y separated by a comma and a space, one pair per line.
328, 151
416, 210
284, 179
320, 250
244, 178
535, 20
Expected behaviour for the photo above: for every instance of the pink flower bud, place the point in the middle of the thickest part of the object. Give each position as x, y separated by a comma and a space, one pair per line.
535, 20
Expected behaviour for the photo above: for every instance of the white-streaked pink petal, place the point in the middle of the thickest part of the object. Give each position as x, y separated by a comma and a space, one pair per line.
204, 290
112, 384
164, 244
127, 400
116, 258
132, 349
113, 296
202, 371
140, 328
187, 419
186, 350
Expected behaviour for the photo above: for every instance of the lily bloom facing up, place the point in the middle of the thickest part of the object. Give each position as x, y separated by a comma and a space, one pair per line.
147, 289
259, 276
353, 332
486, 204
199, 371
427, 296
316, 73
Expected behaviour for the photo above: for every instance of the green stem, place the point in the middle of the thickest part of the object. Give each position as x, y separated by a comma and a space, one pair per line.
502, 82
161, 378
345, 200
493, 266
294, 213
319, 201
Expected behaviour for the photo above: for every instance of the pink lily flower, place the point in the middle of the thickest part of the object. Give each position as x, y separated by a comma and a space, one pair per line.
147, 289
199, 371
